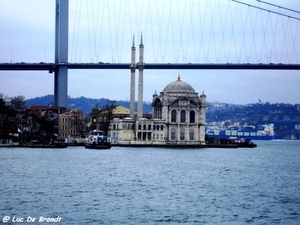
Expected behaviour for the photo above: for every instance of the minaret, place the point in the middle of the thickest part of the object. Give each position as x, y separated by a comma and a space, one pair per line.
141, 70
132, 80
202, 120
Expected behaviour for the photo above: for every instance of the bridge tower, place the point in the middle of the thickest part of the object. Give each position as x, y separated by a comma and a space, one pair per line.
61, 53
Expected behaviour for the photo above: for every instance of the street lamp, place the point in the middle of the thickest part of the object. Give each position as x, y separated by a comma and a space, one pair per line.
95, 122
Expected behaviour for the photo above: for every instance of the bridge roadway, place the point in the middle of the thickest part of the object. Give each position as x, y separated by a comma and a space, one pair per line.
190, 66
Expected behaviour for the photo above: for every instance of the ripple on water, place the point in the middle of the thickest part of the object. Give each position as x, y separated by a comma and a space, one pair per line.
154, 186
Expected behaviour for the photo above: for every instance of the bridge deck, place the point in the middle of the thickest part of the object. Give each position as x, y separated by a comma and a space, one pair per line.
229, 66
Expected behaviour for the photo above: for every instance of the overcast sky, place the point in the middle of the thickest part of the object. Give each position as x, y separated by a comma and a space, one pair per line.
192, 31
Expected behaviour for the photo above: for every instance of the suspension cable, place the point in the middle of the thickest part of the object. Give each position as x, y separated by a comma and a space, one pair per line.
267, 10
278, 6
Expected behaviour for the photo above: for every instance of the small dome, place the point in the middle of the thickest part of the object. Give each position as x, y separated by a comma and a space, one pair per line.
179, 86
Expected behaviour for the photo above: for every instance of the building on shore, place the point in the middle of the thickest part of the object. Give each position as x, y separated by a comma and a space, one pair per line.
178, 114
72, 126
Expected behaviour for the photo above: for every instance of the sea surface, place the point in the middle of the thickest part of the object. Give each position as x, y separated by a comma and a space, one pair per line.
151, 185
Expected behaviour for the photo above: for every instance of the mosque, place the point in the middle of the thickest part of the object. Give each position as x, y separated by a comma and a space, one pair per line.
178, 114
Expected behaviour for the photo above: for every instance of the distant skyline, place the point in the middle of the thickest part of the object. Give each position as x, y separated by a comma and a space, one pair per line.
193, 31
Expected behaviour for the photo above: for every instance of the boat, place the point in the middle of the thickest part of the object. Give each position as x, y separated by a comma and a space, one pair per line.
261, 132
5, 142
58, 145
246, 144
97, 140
242, 143
37, 144
231, 142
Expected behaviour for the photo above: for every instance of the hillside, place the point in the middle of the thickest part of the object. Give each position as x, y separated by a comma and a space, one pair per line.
285, 117
82, 103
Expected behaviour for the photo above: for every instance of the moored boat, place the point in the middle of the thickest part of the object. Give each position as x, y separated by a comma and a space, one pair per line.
247, 143
6, 142
231, 142
97, 140
37, 144
259, 132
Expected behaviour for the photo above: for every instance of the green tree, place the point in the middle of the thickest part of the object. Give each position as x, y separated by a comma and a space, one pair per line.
102, 116
108, 115
17, 102
80, 121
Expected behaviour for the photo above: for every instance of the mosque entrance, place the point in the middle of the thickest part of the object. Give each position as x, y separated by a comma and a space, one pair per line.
144, 136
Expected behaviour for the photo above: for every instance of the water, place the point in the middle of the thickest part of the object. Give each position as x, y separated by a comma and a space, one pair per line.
152, 186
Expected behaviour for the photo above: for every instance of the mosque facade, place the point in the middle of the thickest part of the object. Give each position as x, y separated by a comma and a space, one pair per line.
178, 114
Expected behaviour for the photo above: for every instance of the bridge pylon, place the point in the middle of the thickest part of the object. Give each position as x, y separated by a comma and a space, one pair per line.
61, 53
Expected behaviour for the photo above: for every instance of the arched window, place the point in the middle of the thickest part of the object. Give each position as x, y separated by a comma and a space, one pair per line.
182, 134
144, 127
157, 113
149, 127
162, 127
192, 135
157, 127
114, 126
173, 134
182, 116
140, 126
192, 116
173, 115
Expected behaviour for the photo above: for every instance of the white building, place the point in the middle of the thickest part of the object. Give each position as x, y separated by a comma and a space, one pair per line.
178, 116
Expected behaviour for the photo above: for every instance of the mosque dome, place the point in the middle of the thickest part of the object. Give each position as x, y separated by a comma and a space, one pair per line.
179, 86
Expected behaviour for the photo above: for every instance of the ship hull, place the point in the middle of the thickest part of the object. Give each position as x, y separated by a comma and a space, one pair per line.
254, 138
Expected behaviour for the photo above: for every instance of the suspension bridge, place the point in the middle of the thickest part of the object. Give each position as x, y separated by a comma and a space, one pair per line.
211, 34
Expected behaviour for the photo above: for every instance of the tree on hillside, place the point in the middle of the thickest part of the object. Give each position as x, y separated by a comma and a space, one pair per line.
10, 118
101, 116
17, 102
46, 126
108, 109
79, 120
3, 101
